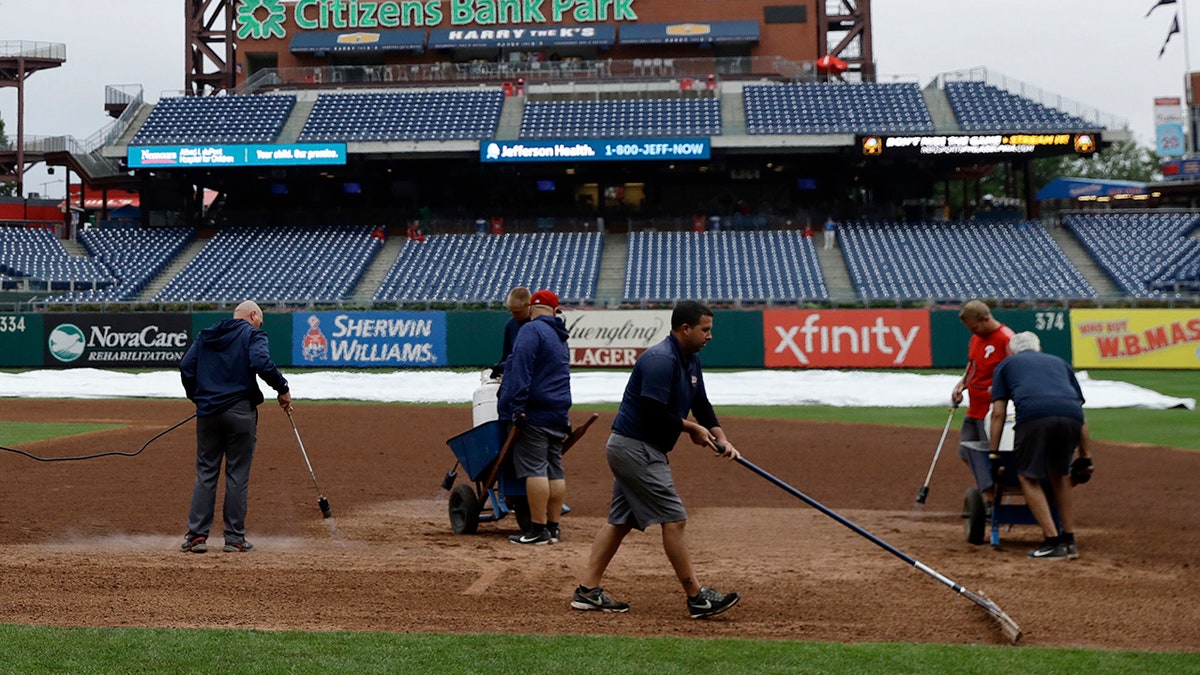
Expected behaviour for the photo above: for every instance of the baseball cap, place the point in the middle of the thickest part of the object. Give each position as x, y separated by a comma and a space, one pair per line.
544, 298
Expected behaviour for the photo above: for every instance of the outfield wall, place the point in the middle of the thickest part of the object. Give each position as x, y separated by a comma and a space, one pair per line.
844, 338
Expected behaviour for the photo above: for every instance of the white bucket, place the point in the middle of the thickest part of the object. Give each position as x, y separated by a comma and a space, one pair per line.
483, 402
1007, 433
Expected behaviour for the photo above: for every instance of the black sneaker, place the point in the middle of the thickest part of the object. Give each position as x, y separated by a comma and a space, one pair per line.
537, 538
708, 602
1052, 548
596, 600
242, 547
194, 544
555, 533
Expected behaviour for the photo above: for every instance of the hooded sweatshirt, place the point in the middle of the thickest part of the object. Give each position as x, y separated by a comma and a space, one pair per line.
219, 368
537, 376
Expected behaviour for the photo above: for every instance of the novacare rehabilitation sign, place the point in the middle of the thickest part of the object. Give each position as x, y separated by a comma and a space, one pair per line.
366, 339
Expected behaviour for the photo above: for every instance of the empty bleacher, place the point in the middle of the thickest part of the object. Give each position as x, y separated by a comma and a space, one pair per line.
275, 265
215, 119
622, 118
415, 115
979, 106
835, 108
483, 268
770, 266
957, 261
1146, 254
133, 256
34, 259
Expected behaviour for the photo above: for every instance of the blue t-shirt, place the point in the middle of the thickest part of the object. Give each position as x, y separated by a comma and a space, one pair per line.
1040, 385
664, 386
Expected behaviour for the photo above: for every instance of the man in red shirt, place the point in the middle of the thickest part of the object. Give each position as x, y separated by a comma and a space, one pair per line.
988, 347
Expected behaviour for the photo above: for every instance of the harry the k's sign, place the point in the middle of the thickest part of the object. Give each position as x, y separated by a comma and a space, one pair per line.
849, 338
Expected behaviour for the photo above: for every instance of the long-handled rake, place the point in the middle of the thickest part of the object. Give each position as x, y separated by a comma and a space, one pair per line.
1010, 628
326, 511
924, 491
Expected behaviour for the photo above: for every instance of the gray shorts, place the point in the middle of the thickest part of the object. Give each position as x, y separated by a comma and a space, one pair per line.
538, 452
1046, 445
643, 489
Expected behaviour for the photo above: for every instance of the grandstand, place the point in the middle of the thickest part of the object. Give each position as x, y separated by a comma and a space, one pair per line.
1148, 255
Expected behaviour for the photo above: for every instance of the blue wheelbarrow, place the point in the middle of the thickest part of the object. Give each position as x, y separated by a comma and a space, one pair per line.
484, 453
1008, 501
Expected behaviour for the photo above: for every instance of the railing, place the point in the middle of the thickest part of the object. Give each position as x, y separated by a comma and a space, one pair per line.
567, 70
53, 51
117, 95
1025, 90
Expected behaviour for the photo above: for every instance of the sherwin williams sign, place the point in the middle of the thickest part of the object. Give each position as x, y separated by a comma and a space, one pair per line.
378, 339
854, 338
1135, 338
605, 338
263, 19
116, 340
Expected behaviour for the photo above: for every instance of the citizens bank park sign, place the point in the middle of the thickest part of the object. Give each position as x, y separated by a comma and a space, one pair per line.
264, 19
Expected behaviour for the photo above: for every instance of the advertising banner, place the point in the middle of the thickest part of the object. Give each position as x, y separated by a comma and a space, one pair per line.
602, 338
369, 339
1136, 338
853, 338
597, 150
1168, 126
175, 156
135, 340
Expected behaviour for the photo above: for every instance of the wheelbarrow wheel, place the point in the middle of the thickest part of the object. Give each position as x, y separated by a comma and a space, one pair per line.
975, 515
464, 510
520, 508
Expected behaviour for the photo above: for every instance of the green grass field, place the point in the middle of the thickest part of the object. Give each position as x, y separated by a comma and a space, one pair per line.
30, 649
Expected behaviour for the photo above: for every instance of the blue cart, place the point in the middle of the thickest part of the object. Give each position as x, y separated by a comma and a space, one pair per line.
484, 453
1008, 501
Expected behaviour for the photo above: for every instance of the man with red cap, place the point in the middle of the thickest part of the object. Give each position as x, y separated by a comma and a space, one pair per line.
536, 397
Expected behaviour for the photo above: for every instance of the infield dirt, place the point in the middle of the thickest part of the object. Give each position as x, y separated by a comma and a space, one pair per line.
95, 543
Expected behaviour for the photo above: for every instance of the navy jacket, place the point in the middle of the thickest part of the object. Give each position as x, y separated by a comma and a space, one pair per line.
537, 376
219, 368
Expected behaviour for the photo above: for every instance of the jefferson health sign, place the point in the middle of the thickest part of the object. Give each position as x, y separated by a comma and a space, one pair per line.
852, 338
369, 339
116, 340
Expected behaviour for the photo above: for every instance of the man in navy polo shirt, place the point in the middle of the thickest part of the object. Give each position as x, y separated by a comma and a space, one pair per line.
666, 383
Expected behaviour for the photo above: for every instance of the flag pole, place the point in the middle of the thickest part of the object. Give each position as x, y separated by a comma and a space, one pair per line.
1187, 74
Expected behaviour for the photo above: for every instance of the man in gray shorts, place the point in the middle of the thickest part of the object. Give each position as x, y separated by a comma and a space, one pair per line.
536, 396
666, 383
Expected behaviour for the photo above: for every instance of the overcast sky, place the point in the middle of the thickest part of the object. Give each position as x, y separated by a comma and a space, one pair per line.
1100, 53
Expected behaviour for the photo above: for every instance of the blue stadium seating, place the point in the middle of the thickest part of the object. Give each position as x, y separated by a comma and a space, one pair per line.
134, 256
483, 267
187, 120
33, 257
622, 118
771, 266
442, 115
958, 261
836, 108
1146, 254
983, 107
276, 265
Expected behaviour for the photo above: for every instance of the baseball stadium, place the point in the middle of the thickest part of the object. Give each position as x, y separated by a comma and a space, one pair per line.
377, 177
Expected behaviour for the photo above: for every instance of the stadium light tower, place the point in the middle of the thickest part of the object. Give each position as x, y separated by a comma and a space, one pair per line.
18, 60
211, 48
846, 33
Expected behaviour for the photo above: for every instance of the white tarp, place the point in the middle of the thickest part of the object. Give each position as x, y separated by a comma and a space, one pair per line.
756, 387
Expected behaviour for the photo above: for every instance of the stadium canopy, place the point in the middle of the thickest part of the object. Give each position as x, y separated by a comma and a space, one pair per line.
689, 32
1076, 188
602, 35
358, 41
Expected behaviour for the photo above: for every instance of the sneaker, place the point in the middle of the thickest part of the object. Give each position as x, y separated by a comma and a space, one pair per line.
596, 600
555, 533
708, 602
196, 544
242, 547
537, 538
1052, 548
1072, 551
